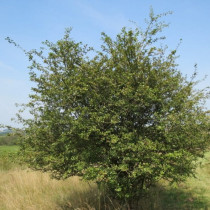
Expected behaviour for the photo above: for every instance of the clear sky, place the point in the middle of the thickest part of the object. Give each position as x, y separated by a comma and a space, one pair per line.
31, 22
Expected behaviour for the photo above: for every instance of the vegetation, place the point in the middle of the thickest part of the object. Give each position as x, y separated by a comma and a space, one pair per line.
8, 139
9, 157
125, 118
8, 149
25, 189
5, 131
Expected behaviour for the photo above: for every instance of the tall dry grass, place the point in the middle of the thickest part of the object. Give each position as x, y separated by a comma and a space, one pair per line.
23, 189
28, 190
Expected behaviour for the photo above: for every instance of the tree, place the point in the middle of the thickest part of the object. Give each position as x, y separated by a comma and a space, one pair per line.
125, 118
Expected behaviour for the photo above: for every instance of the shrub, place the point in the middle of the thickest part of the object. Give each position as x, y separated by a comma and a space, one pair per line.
124, 118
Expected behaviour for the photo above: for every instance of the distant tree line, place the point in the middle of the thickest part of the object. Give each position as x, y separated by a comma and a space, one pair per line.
6, 139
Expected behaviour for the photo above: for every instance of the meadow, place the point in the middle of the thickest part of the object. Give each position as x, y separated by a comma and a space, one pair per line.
24, 189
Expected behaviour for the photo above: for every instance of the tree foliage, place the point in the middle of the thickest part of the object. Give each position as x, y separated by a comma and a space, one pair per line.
125, 117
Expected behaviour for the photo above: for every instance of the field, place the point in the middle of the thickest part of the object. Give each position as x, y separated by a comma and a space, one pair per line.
8, 149
24, 189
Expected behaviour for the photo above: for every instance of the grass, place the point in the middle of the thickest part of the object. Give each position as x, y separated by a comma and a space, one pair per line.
194, 193
8, 149
8, 157
23, 189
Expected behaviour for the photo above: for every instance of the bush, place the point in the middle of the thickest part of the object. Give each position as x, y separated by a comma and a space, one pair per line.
125, 118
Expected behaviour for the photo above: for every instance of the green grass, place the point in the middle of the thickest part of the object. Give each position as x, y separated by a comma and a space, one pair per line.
8, 149
192, 194
8, 157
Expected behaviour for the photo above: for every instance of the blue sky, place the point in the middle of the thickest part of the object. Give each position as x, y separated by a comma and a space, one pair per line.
31, 22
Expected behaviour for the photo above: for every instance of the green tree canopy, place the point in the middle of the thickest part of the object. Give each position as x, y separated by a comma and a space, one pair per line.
125, 117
